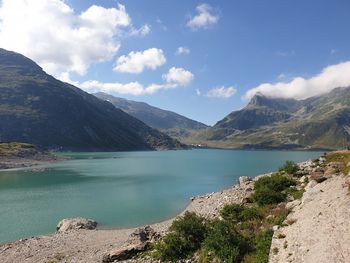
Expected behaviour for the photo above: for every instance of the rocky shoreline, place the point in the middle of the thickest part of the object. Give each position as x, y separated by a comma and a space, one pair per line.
78, 240
22, 155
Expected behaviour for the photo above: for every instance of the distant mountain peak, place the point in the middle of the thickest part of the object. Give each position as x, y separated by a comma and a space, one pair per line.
171, 123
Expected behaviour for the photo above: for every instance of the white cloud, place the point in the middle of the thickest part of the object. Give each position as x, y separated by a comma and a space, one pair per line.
136, 62
142, 31
178, 76
52, 34
221, 92
61, 40
198, 92
300, 88
204, 18
182, 51
132, 88
174, 78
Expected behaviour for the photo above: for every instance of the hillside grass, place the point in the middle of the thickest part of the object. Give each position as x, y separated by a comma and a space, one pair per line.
14, 148
342, 157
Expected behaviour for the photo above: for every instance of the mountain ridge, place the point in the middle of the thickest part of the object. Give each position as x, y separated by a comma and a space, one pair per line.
166, 121
37, 108
321, 122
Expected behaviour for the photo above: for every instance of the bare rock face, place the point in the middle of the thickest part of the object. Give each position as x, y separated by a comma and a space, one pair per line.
75, 224
138, 241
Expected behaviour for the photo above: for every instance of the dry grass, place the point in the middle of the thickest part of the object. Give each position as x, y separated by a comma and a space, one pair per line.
342, 157
14, 148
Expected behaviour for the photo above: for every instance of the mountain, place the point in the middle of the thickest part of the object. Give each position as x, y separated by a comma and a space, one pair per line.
168, 122
317, 122
39, 109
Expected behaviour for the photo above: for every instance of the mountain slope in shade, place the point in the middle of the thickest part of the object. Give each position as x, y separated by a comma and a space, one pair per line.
39, 109
168, 122
317, 122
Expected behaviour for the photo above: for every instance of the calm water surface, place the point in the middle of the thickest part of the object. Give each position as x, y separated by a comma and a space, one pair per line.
122, 189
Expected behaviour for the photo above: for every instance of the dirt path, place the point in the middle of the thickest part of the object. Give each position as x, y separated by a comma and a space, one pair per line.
321, 232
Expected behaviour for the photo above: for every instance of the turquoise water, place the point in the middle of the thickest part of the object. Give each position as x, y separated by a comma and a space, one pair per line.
122, 189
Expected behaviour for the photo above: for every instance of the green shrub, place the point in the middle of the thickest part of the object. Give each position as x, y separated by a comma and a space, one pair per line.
262, 248
264, 196
238, 213
225, 242
269, 189
289, 167
185, 237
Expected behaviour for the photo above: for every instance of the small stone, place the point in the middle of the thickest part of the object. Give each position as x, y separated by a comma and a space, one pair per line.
275, 228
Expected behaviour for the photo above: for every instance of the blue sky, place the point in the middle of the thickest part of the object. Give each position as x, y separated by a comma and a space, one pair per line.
242, 45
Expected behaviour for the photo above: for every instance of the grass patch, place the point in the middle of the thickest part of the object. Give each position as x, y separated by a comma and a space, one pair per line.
342, 157
297, 194
289, 167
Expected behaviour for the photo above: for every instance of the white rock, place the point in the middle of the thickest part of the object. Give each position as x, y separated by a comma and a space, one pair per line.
275, 228
293, 204
75, 224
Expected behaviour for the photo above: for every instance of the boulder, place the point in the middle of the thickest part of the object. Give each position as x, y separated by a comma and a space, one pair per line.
138, 241
319, 177
244, 179
124, 253
143, 235
76, 224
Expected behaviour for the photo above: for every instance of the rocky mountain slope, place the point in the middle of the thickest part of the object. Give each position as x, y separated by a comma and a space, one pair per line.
39, 109
168, 122
317, 122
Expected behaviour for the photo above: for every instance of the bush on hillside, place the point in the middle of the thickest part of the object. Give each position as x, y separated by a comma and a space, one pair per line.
238, 213
289, 167
185, 237
269, 189
225, 243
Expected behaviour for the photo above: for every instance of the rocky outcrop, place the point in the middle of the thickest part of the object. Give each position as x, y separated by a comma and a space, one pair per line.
138, 241
75, 224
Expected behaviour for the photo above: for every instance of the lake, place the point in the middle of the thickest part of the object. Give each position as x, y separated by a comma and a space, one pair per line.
122, 189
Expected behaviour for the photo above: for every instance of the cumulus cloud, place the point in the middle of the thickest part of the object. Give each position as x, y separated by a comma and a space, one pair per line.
132, 88
136, 62
182, 51
178, 76
204, 18
174, 78
221, 92
142, 31
300, 88
57, 38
